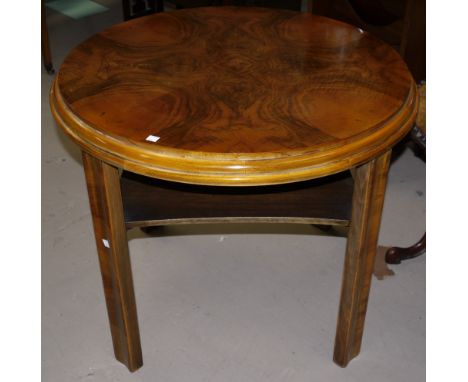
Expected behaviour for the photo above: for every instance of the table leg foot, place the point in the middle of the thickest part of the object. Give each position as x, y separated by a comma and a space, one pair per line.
368, 197
111, 240
396, 255
49, 68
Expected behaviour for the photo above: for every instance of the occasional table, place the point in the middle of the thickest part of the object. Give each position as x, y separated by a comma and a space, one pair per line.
229, 114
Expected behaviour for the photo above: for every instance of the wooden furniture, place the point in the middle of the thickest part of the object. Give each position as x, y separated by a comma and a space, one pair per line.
396, 255
138, 8
400, 23
45, 45
281, 4
234, 114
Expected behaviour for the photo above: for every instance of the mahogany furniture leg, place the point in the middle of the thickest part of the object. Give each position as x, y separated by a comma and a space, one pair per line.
45, 45
368, 197
105, 198
396, 255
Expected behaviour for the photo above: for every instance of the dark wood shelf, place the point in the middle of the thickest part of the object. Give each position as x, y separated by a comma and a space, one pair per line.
149, 202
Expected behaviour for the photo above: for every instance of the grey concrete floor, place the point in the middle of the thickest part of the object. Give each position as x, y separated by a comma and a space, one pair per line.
219, 303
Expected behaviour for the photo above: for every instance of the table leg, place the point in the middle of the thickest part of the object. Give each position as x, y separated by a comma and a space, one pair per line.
45, 44
396, 255
370, 182
111, 240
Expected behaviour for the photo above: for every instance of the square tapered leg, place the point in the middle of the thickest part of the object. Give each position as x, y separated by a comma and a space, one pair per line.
111, 240
370, 181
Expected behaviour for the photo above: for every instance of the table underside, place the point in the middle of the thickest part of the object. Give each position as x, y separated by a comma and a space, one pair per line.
120, 201
149, 202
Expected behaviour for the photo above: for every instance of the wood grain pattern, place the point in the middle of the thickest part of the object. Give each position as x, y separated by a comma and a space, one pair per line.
395, 255
106, 207
149, 201
238, 96
368, 197
400, 23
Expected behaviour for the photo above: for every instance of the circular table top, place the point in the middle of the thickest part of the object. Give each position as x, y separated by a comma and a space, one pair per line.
234, 96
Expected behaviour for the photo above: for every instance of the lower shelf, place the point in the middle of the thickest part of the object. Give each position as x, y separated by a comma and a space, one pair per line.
150, 202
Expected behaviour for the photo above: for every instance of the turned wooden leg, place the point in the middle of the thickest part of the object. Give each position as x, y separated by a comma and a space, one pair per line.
370, 182
111, 241
396, 255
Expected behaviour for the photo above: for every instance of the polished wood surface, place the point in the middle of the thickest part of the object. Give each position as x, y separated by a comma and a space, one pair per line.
111, 241
413, 45
237, 96
395, 255
369, 192
149, 202
400, 23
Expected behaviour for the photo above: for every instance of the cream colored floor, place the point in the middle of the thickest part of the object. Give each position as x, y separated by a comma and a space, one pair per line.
227, 303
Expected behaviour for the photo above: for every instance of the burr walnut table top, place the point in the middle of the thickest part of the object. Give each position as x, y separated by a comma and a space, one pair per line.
236, 96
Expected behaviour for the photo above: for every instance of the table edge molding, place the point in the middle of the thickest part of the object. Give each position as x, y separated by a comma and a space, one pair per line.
234, 169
